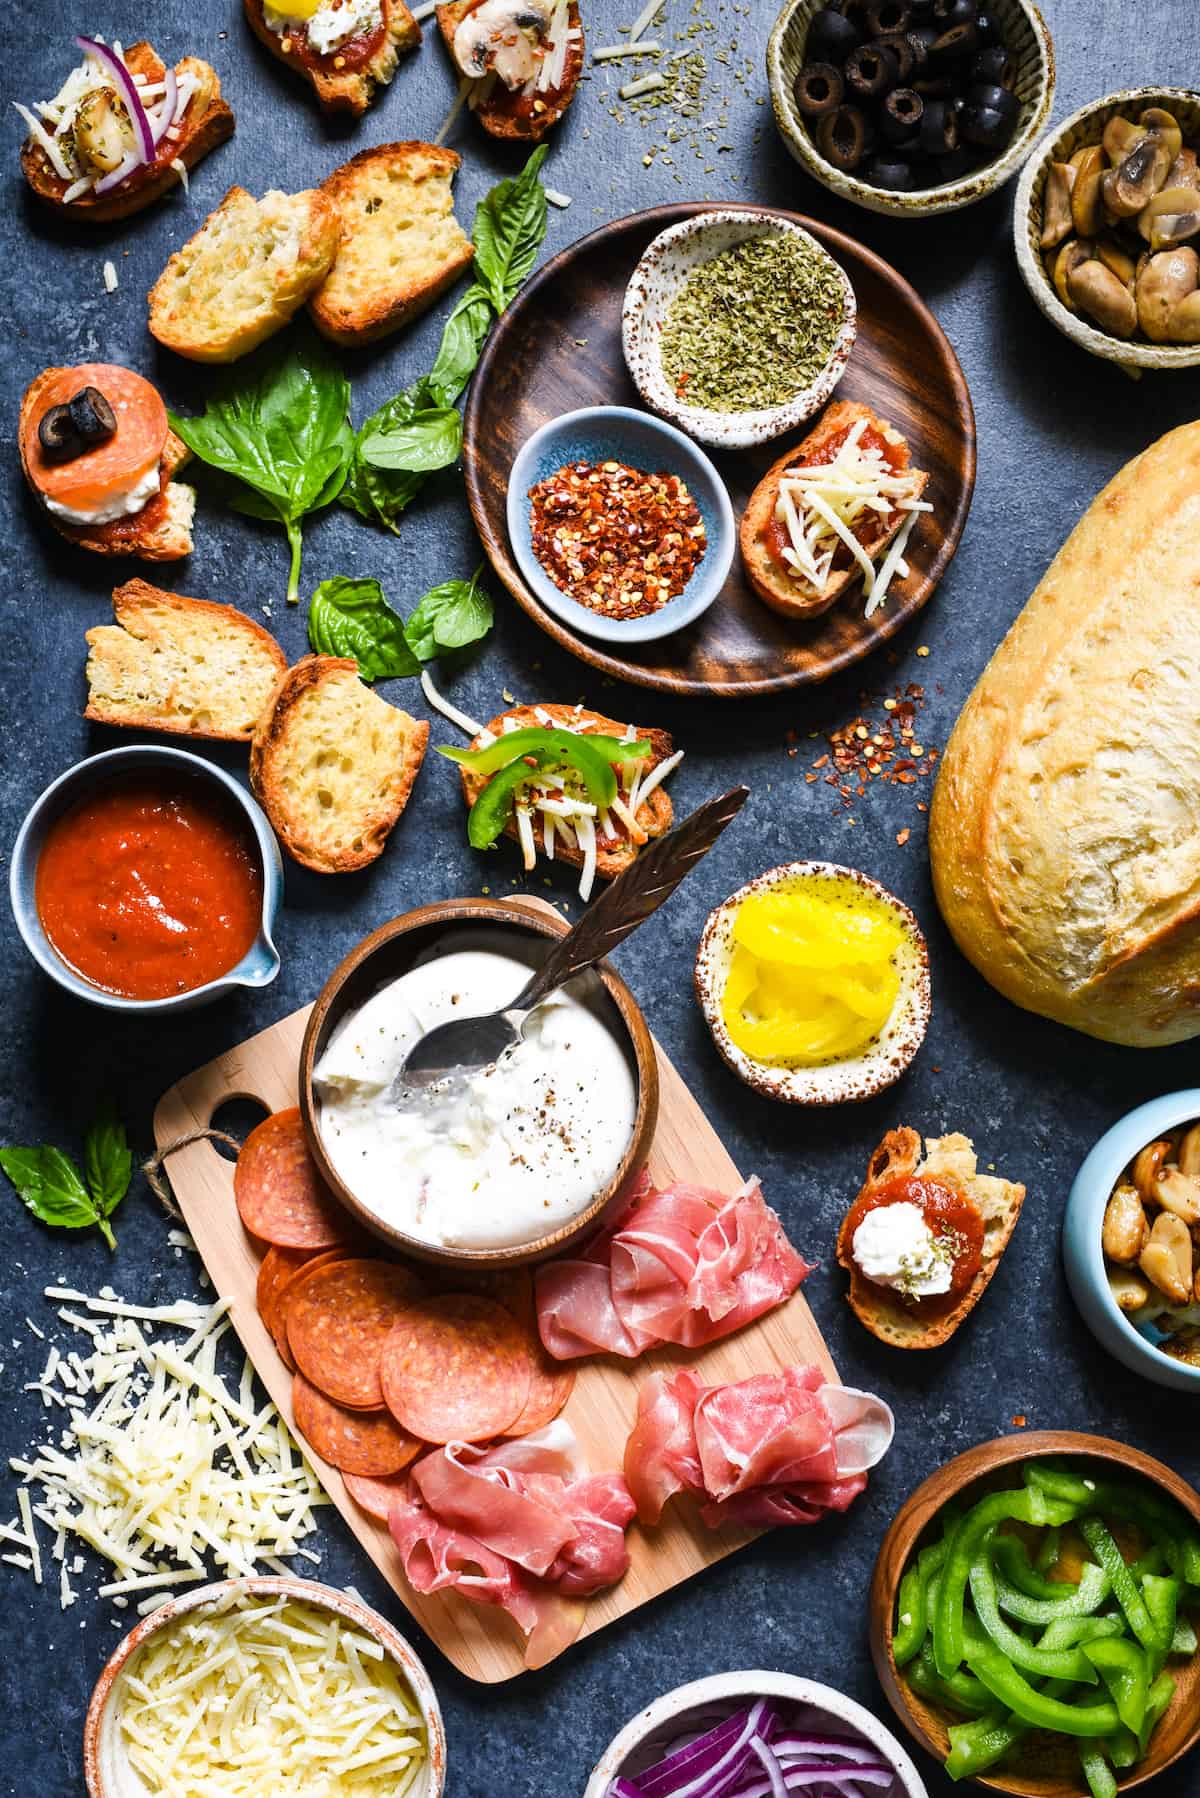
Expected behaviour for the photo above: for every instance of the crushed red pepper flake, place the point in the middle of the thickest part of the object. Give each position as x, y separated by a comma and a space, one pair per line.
619, 540
866, 750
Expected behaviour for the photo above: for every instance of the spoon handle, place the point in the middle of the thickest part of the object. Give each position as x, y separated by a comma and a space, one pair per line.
633, 897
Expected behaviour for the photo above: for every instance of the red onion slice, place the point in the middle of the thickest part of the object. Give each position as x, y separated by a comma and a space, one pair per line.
132, 160
773, 1769
127, 86
166, 112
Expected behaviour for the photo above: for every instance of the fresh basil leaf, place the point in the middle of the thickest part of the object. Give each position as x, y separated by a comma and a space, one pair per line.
107, 1161
378, 497
450, 617
510, 224
50, 1185
431, 438
352, 618
462, 344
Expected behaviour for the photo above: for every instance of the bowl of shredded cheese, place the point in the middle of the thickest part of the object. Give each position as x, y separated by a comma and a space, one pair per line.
277, 1687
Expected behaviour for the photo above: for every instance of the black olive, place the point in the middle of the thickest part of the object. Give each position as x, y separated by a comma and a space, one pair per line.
92, 416
993, 67
831, 37
934, 87
954, 46
921, 10
891, 171
989, 117
818, 89
918, 42
57, 436
955, 12
989, 31
884, 16
901, 51
870, 72
954, 166
844, 137
901, 116
939, 128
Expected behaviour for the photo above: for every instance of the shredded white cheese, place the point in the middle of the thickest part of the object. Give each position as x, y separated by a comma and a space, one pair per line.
646, 84
110, 277
467, 725
614, 52
645, 19
555, 198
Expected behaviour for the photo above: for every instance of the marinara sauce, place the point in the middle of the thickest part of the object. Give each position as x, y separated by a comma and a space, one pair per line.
148, 890
895, 455
954, 1221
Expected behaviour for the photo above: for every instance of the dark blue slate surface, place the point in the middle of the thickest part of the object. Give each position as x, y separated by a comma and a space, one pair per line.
1053, 425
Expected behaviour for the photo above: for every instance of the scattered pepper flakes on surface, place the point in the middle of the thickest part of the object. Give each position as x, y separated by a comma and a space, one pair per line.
1018, 1422
902, 836
923, 650
864, 750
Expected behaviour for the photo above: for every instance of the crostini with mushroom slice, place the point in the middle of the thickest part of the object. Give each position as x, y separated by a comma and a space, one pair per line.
521, 61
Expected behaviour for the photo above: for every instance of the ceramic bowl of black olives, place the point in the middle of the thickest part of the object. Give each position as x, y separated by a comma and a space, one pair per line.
911, 107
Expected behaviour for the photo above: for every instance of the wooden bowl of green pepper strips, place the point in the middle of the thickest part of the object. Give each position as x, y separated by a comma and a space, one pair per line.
1034, 1610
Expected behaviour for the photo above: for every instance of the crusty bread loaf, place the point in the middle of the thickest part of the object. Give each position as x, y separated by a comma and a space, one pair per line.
347, 91
502, 113
162, 532
950, 1159
207, 122
654, 817
250, 266
785, 592
401, 245
184, 665
1065, 825
333, 765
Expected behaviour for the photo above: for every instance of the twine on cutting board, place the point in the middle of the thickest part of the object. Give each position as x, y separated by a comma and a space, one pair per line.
153, 1167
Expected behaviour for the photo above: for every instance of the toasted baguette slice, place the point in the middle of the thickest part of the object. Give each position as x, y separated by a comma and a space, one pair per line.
654, 817
251, 265
785, 592
508, 114
950, 1159
348, 91
188, 666
401, 244
333, 765
160, 532
207, 122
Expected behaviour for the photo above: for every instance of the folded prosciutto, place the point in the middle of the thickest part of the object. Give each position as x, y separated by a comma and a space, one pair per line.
777, 1448
681, 1265
522, 1525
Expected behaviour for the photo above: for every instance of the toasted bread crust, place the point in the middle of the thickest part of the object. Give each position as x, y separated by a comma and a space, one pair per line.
784, 593
367, 293
491, 113
216, 300
190, 667
166, 537
278, 756
655, 816
204, 127
345, 91
950, 1159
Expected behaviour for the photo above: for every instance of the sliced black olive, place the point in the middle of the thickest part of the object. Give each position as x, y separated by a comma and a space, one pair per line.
935, 86
891, 171
955, 12
954, 45
939, 129
989, 117
92, 416
818, 90
993, 67
901, 116
831, 37
901, 51
919, 40
884, 16
844, 137
870, 72
954, 166
59, 440
921, 10
989, 31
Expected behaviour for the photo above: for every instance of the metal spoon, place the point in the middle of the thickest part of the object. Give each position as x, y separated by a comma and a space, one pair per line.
454, 1049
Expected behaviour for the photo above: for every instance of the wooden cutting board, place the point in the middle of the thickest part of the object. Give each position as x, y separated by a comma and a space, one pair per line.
481, 1641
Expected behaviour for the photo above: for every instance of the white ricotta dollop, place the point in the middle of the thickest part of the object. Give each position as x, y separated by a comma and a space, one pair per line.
120, 504
522, 1147
894, 1246
333, 24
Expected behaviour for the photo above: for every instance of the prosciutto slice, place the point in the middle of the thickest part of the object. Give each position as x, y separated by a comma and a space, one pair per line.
777, 1448
683, 1264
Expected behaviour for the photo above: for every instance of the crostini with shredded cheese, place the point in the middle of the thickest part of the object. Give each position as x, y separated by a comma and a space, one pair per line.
519, 61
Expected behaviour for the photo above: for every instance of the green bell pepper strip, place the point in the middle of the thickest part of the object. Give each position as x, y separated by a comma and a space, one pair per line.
1047, 1554
976, 1746
1056, 1482
1065, 1663
910, 1630
1158, 1701
961, 1692
494, 806
1038, 1709
505, 749
1184, 1639
1161, 1598
1122, 1749
1026, 1506
1102, 1781
1125, 1670
1153, 1561
1074, 1601
1012, 1559
1069, 1631
1106, 1552
1166, 1525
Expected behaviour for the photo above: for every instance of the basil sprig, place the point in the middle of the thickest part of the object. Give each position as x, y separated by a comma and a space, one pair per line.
350, 617
52, 1187
279, 427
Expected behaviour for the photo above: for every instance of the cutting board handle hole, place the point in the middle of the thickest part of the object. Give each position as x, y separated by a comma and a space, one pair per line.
239, 1117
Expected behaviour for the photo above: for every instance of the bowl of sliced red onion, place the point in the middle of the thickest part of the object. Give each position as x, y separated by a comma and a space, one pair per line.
755, 1735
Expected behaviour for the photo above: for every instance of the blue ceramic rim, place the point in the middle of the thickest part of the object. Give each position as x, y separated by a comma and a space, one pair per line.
1083, 1255
688, 461
257, 968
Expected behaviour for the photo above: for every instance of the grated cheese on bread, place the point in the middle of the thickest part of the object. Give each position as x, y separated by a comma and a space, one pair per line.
341, 90
524, 115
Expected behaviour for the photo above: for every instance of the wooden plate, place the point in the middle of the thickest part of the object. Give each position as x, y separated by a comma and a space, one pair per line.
558, 347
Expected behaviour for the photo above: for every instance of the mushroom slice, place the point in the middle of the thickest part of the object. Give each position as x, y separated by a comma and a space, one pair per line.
1120, 136
1179, 1193
1171, 217
1184, 171
102, 129
1183, 326
1087, 208
1105, 298
1125, 1227
1130, 1291
1164, 124
1166, 1259
1117, 258
1135, 181
1167, 278
1056, 205
505, 38
1073, 252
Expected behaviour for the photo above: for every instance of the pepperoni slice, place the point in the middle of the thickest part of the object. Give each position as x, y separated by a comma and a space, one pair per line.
363, 1442
280, 1195
375, 1496
339, 1318
457, 1369
111, 467
278, 1277
549, 1389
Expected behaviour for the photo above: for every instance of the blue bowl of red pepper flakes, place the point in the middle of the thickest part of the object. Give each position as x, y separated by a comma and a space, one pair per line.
623, 510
